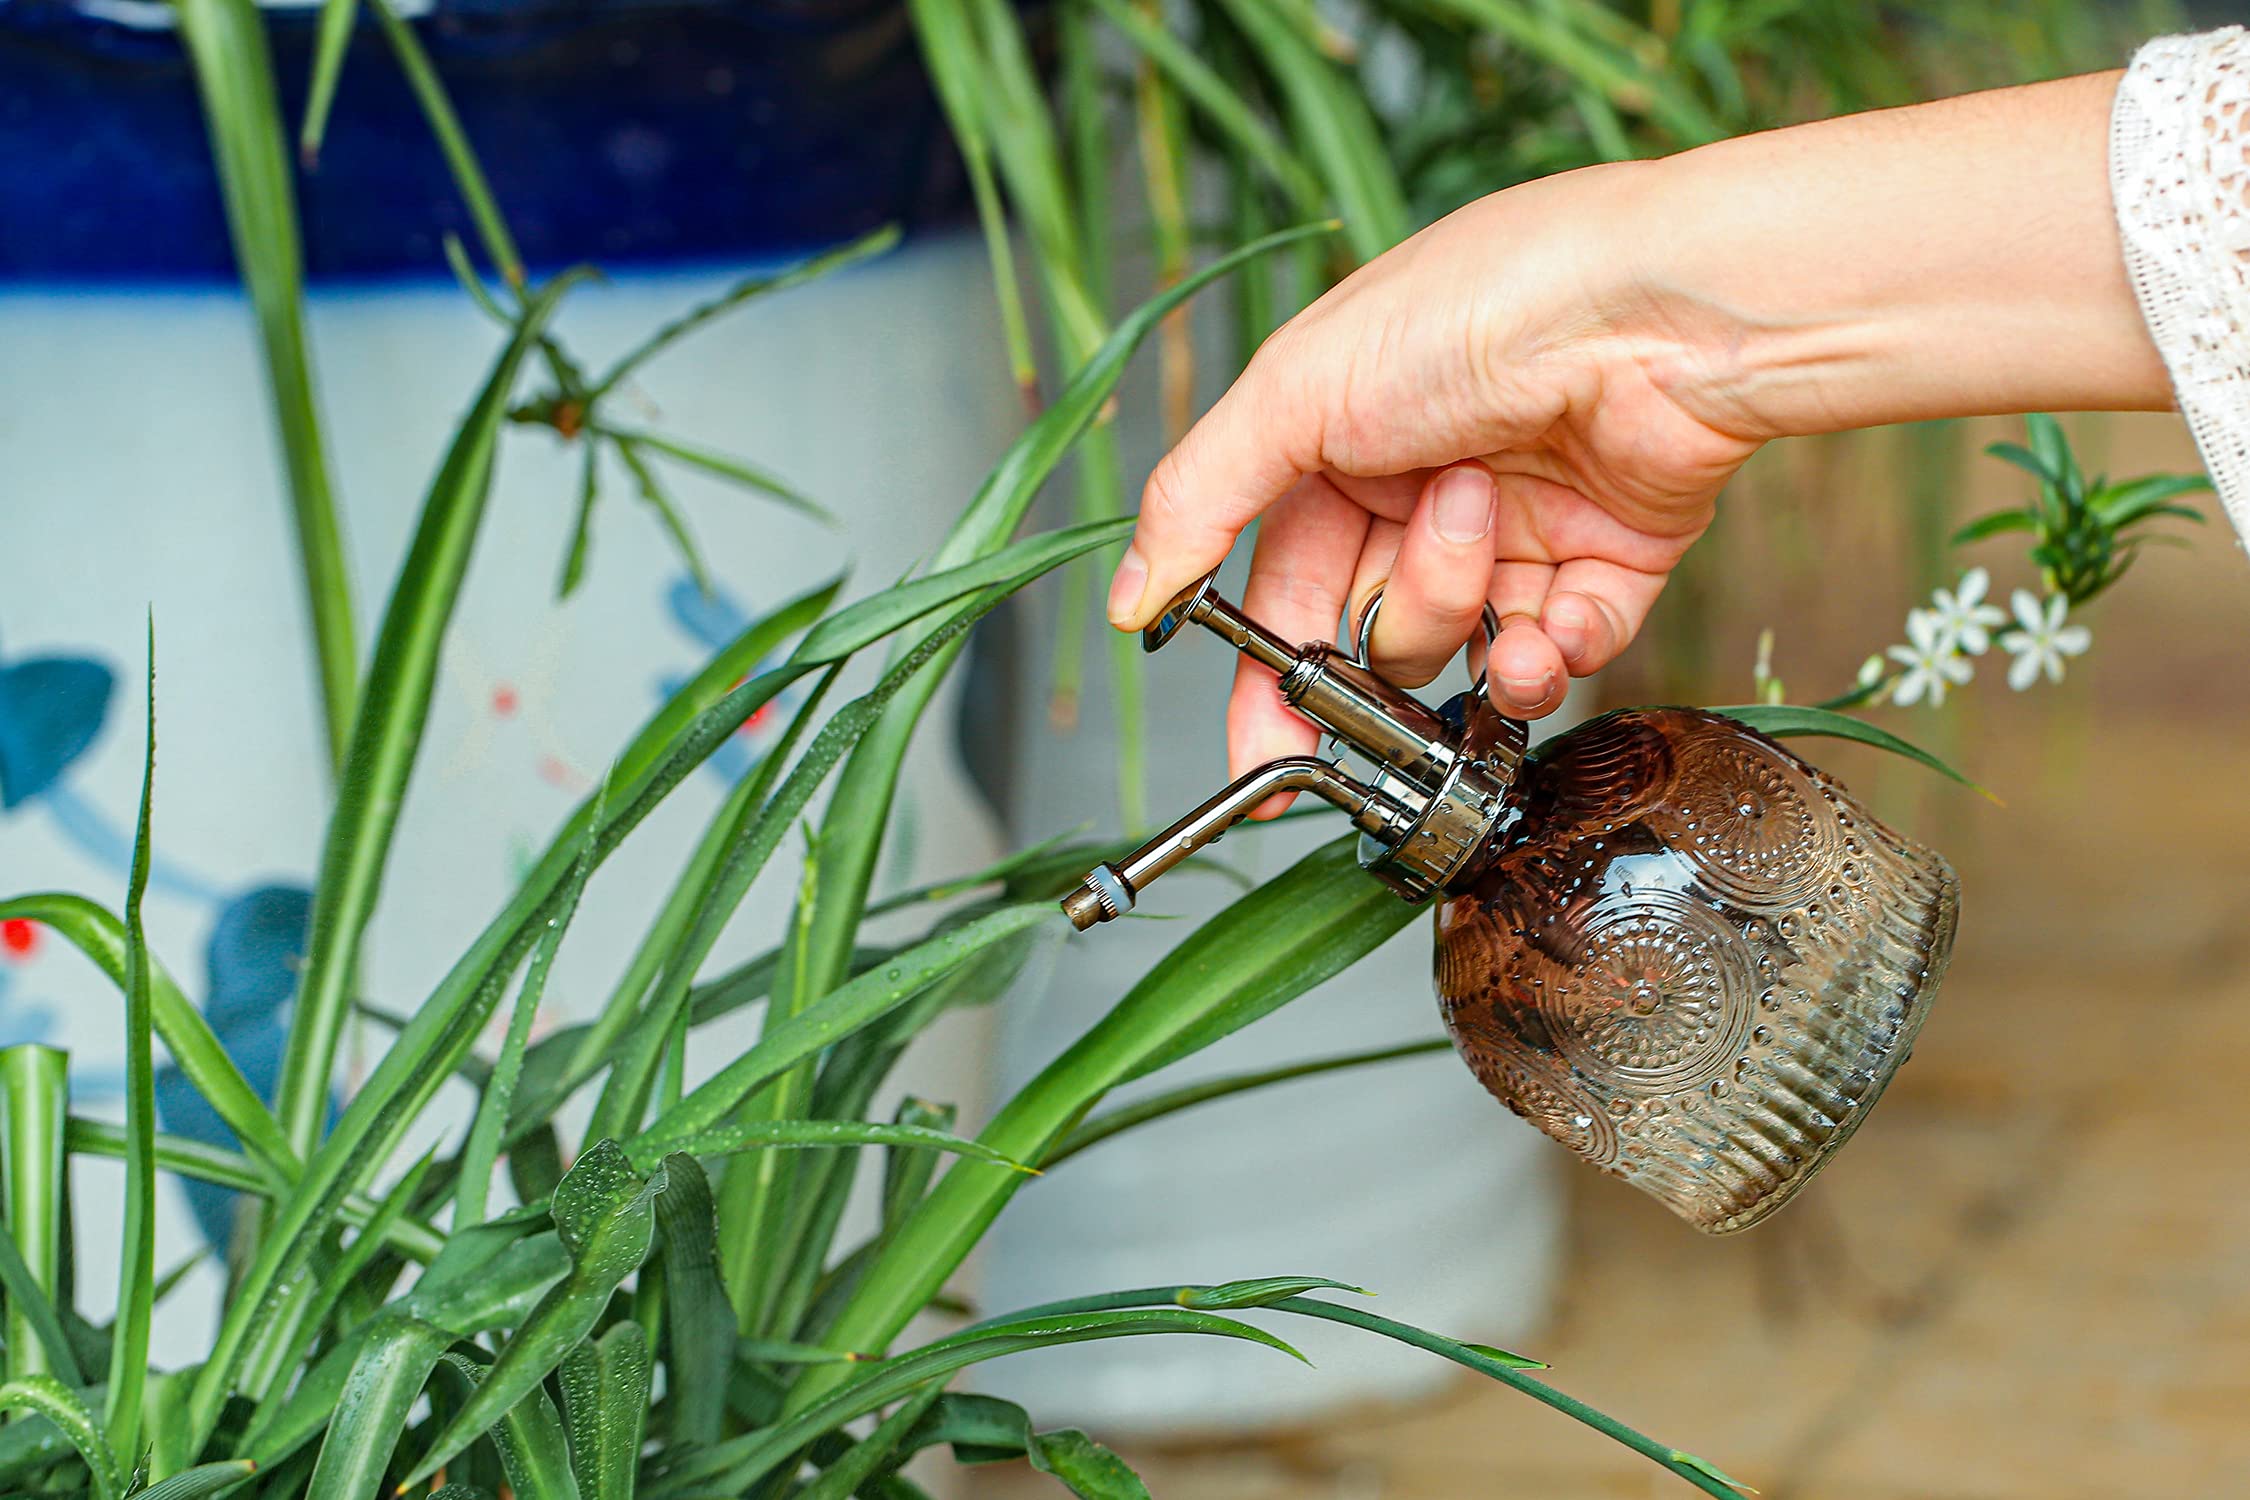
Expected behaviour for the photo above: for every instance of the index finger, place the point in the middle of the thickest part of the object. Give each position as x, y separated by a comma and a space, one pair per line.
1246, 452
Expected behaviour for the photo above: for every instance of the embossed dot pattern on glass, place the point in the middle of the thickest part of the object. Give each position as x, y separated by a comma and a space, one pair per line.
1697, 961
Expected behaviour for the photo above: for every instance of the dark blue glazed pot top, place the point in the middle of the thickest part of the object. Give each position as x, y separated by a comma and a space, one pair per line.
614, 131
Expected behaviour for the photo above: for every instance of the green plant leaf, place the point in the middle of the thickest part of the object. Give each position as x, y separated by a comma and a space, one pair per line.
200, 1482
1011, 567
226, 46
482, 1149
387, 735
843, 1477
1993, 525
821, 1025
453, 141
373, 1238
2024, 459
605, 1384
605, 1215
48, 1397
906, 1172
1156, 1106
386, 1377
658, 499
534, 1452
723, 466
1233, 1296
747, 290
231, 1169
2123, 504
1786, 720
478, 1282
195, 1049
1296, 930
731, 1136
739, 1462
582, 526
136, 1251
1710, 1470
1332, 119
34, 1174
851, 834
701, 1348
1218, 101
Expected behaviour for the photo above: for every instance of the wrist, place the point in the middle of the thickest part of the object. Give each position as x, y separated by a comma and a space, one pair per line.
1952, 259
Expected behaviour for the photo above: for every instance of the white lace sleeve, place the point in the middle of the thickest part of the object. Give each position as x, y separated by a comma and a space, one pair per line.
2179, 153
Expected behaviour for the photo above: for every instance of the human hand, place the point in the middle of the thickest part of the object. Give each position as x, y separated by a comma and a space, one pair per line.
1535, 402
1501, 410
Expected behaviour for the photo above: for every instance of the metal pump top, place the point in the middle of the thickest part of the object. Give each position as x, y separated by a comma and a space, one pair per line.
1426, 813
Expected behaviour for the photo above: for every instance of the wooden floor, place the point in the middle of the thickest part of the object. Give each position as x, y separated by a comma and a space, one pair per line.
2029, 1275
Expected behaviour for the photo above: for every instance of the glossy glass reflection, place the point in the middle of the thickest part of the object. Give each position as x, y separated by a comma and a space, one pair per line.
1697, 962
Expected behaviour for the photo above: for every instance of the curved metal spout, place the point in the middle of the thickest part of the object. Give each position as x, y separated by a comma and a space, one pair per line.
1111, 890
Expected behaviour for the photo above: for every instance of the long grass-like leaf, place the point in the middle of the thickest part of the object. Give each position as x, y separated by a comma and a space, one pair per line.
1508, 1369
729, 1466
1332, 119
200, 1482
231, 1169
749, 289
851, 833
812, 1135
1784, 720
136, 1251
482, 1149
1228, 112
460, 156
374, 1238
827, 1021
657, 498
371, 1410
226, 45
605, 1399
701, 1327
195, 1049
36, 1080
45, 1396
535, 1452
1299, 928
842, 1479
605, 1214
1157, 1106
388, 735
723, 466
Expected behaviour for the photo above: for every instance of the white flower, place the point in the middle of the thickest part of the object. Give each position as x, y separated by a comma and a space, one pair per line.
1871, 671
1964, 618
2041, 639
1932, 661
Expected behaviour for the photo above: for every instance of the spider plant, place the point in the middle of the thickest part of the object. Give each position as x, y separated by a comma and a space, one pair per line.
668, 1303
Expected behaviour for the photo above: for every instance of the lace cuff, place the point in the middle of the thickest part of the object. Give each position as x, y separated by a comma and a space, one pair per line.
2179, 153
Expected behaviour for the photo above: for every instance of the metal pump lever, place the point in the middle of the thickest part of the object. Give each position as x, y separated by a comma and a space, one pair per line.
1438, 791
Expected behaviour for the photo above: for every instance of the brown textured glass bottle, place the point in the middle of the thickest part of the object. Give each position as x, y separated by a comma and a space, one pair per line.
1666, 941
1696, 961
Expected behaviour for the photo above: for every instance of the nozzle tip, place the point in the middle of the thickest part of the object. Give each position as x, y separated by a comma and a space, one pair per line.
1103, 896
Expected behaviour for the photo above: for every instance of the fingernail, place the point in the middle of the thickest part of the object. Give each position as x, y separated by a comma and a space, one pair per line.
1126, 588
1566, 627
1527, 692
1462, 505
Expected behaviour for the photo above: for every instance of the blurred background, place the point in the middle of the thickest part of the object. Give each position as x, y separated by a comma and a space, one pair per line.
2029, 1277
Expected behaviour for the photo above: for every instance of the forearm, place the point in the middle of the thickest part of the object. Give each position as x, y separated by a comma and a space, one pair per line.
1948, 259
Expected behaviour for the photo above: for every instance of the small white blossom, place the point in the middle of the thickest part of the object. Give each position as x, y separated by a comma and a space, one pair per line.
1963, 617
2041, 639
1932, 660
1871, 671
